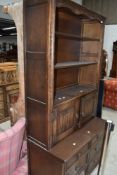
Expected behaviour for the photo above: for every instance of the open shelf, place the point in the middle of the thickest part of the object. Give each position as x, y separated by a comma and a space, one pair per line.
76, 37
74, 64
72, 92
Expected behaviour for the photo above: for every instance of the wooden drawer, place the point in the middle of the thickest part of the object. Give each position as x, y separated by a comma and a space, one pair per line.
79, 166
95, 150
71, 155
88, 107
98, 138
64, 120
77, 157
96, 146
92, 164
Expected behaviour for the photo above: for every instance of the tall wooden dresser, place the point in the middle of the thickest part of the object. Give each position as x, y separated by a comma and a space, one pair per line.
63, 44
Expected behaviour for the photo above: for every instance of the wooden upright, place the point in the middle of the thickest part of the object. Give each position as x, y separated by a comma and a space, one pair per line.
63, 44
113, 72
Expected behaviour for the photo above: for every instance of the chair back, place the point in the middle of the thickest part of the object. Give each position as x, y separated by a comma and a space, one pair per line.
10, 147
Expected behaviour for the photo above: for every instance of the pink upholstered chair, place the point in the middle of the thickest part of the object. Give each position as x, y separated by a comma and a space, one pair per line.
12, 160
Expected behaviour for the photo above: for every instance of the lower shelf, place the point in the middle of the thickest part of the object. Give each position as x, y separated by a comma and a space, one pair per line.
71, 92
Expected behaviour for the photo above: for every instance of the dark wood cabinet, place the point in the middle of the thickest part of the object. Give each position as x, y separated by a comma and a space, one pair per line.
63, 44
78, 153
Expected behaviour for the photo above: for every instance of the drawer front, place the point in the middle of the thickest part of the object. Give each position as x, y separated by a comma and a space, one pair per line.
78, 167
87, 158
92, 164
88, 107
77, 156
95, 150
96, 146
65, 118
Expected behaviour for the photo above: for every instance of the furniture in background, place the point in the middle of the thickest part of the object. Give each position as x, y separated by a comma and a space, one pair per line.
2, 57
12, 160
8, 55
110, 93
11, 55
62, 71
9, 88
113, 72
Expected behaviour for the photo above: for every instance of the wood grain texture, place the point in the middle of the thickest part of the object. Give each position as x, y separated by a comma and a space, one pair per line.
62, 66
73, 154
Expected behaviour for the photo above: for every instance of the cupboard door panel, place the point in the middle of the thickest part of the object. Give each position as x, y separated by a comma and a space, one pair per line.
88, 107
65, 120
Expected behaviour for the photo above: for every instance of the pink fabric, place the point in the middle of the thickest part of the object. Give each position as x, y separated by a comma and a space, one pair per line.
22, 168
10, 147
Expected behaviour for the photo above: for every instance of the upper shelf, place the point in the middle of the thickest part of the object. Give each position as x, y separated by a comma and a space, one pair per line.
74, 64
76, 37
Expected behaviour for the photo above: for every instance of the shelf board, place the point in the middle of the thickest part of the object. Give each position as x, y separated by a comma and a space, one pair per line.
69, 93
76, 37
87, 54
74, 64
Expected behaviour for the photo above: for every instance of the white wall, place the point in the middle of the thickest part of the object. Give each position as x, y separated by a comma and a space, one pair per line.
78, 1
110, 35
4, 2
2, 15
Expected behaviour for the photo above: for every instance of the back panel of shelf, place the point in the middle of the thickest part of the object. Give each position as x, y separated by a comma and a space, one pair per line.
66, 48
76, 40
91, 51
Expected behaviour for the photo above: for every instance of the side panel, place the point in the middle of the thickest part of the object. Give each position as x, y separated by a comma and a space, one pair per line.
36, 22
36, 121
36, 50
42, 162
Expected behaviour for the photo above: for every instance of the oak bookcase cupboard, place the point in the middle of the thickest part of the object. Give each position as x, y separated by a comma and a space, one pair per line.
63, 44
